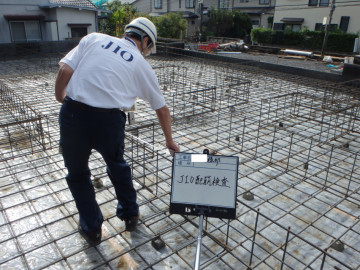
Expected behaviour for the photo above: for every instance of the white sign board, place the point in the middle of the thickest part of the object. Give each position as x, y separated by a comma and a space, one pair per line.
204, 182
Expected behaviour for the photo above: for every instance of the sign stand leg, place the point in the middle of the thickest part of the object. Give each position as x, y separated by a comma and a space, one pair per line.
198, 246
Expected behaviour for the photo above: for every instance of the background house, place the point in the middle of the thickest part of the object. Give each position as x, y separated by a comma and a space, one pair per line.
310, 14
189, 8
46, 20
258, 10
196, 11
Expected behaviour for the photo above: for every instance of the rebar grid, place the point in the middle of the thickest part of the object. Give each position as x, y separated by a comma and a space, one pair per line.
21, 127
297, 141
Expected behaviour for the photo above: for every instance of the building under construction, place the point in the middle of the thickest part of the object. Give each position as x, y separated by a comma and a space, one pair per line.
297, 139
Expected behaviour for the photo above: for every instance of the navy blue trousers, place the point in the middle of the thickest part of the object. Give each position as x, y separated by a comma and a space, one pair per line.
81, 131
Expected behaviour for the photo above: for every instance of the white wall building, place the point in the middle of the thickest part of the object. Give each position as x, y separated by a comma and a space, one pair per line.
301, 14
46, 20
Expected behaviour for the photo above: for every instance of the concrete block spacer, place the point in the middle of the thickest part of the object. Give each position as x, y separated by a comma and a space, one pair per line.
158, 243
98, 183
248, 196
337, 245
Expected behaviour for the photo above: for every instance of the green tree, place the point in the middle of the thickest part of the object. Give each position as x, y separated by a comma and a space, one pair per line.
121, 15
241, 24
171, 25
220, 22
225, 23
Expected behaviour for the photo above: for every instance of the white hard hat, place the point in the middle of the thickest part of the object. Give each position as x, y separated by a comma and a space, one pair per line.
144, 25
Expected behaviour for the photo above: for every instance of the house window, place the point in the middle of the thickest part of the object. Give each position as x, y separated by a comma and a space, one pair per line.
295, 27
223, 4
313, 2
344, 23
279, 26
264, 2
180, 3
319, 27
333, 27
255, 22
23, 31
78, 32
189, 3
324, 3
157, 3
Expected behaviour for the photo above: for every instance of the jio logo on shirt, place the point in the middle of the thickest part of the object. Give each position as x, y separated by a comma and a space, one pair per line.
124, 54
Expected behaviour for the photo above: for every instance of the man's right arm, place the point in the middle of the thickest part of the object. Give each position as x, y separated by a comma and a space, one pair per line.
164, 117
62, 79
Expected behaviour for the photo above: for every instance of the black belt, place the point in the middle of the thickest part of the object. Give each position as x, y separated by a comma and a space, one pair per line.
84, 106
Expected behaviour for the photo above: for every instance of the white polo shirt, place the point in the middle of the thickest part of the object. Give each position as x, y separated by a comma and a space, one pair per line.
110, 72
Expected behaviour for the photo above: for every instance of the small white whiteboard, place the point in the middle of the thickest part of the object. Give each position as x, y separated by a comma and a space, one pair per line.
212, 182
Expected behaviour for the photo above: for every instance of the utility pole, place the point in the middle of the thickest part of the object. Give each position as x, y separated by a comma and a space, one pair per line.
201, 17
327, 29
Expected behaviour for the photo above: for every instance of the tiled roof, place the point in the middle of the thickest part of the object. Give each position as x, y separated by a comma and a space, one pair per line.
78, 3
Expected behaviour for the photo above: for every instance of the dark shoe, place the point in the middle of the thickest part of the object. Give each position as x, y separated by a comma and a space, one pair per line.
131, 223
93, 238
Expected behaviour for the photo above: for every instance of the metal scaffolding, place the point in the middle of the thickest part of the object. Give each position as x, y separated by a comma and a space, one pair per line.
297, 140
